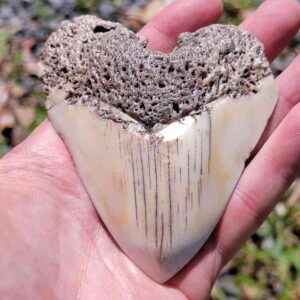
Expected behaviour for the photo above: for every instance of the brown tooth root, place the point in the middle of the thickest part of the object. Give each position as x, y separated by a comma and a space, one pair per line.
115, 66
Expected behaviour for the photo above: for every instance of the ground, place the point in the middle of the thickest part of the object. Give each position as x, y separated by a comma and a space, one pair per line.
268, 266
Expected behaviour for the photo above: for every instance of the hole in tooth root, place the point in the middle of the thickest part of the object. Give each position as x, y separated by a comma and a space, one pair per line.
106, 76
101, 29
161, 84
176, 107
187, 65
171, 69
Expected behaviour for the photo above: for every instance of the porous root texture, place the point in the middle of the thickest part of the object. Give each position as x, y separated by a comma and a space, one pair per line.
97, 62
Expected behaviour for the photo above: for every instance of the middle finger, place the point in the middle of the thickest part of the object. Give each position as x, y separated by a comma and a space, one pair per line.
274, 23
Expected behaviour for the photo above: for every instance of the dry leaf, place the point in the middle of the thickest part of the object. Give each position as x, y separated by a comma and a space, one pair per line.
29, 62
3, 95
146, 13
18, 135
15, 90
7, 119
295, 197
25, 115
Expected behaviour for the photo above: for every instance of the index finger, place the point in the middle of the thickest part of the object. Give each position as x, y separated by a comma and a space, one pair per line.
180, 16
274, 23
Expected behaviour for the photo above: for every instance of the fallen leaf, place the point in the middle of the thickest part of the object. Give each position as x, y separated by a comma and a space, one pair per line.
25, 115
3, 95
295, 196
15, 90
5, 36
18, 135
246, 13
7, 119
6, 68
146, 13
29, 62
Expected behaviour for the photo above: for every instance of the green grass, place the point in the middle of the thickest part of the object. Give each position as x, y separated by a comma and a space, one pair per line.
233, 10
40, 116
5, 36
18, 68
261, 270
42, 10
87, 5
3, 148
38, 93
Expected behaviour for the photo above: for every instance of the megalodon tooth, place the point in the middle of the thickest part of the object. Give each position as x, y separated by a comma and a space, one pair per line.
159, 140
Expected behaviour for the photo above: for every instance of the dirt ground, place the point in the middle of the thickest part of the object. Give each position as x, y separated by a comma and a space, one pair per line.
268, 266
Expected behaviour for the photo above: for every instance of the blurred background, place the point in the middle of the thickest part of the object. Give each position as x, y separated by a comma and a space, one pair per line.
268, 266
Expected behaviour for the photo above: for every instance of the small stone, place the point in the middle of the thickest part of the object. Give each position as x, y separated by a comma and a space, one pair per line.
267, 244
3, 94
25, 115
281, 209
7, 120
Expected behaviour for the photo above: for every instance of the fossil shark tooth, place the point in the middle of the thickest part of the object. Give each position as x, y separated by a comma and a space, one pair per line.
159, 140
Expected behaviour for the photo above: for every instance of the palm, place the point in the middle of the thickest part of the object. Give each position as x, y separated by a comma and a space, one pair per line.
53, 243
57, 234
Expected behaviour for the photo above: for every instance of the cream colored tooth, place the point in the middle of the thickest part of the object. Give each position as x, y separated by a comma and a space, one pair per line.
159, 190
161, 200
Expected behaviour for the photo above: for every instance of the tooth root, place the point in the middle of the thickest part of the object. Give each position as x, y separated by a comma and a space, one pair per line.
161, 201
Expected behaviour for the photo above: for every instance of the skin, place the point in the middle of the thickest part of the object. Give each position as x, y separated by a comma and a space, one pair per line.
53, 244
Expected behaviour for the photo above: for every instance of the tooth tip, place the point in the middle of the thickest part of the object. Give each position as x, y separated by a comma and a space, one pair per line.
162, 266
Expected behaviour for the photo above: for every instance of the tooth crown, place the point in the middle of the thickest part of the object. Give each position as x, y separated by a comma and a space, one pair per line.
162, 200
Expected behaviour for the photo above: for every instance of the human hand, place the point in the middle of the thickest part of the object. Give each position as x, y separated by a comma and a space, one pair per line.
52, 242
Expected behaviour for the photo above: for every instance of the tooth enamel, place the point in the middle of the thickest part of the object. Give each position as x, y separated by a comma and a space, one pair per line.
161, 192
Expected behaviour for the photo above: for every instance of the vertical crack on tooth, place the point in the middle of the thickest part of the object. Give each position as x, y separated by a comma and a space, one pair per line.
144, 192
161, 253
170, 197
156, 198
134, 187
209, 141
